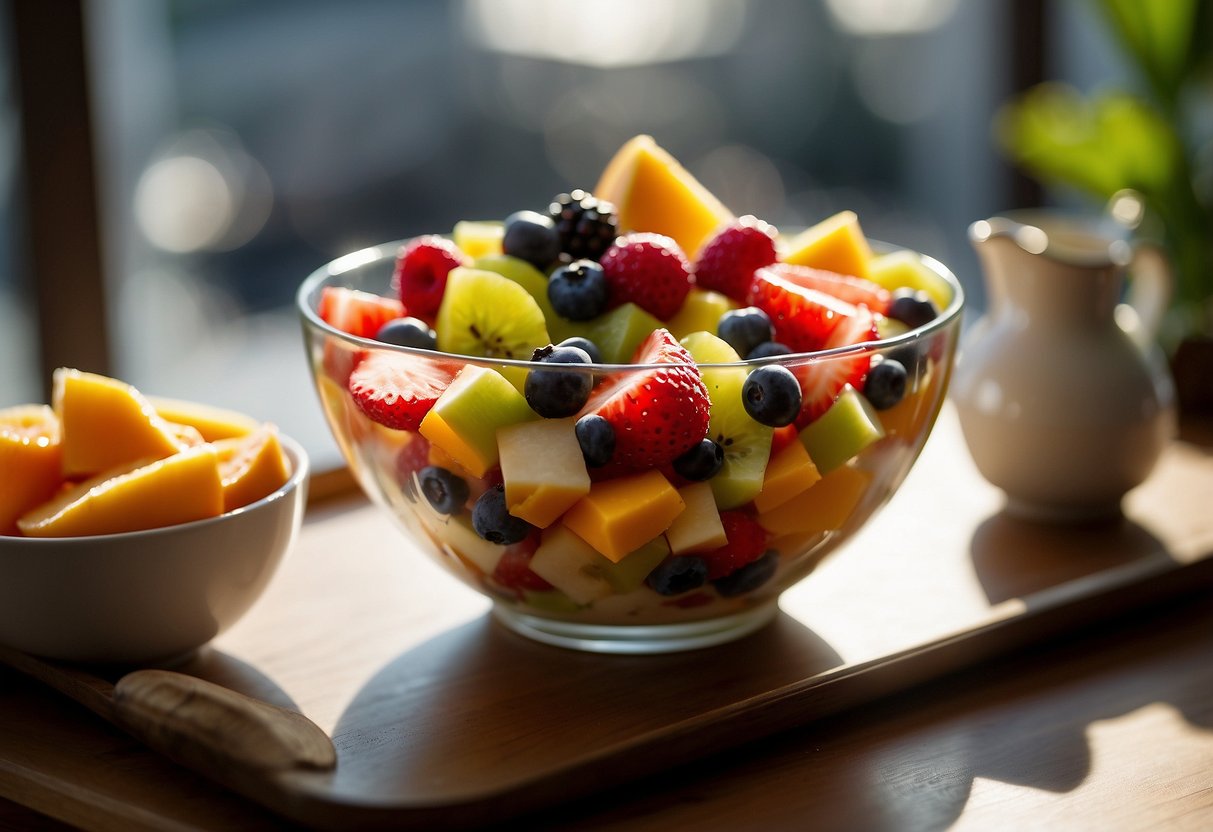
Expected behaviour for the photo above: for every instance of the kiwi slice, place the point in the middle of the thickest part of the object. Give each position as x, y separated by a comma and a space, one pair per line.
746, 443
483, 313
536, 284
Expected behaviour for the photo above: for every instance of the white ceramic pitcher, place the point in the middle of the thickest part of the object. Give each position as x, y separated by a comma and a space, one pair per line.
1064, 400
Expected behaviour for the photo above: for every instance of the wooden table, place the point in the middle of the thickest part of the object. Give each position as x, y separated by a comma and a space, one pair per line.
1104, 722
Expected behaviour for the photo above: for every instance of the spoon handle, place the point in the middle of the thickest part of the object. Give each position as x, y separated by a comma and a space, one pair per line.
214, 730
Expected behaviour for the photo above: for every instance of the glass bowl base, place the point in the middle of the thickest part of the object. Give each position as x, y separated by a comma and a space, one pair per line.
637, 639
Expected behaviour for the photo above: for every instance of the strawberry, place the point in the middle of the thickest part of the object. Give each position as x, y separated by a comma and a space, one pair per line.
803, 318
420, 274
659, 413
822, 381
513, 570
727, 263
356, 312
649, 270
856, 290
411, 458
746, 542
398, 390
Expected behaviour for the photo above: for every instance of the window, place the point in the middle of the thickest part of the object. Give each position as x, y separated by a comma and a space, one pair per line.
240, 146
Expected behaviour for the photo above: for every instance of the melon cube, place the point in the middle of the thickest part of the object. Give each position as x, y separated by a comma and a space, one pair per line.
700, 312
465, 419
621, 514
905, 269
790, 472
836, 244
543, 469
850, 425
698, 527
653, 192
824, 506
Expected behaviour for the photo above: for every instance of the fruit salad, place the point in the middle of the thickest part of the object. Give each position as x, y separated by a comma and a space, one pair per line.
103, 459
632, 407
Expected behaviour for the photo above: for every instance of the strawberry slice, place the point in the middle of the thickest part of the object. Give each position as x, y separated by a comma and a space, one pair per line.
822, 381
658, 414
513, 571
746, 542
856, 290
804, 319
398, 390
357, 312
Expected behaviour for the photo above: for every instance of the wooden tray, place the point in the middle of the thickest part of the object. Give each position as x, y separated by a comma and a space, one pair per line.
441, 717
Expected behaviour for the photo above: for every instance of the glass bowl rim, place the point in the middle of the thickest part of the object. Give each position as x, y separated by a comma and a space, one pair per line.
383, 251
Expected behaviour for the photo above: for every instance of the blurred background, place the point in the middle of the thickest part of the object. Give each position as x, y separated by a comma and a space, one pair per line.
237, 146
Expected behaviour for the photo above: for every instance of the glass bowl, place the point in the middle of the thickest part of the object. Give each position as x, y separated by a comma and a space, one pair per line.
555, 587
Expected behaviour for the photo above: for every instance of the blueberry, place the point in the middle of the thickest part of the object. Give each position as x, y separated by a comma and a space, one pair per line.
676, 575
749, 577
494, 523
408, 332
556, 393
591, 349
744, 329
771, 395
886, 384
767, 349
913, 358
446, 491
702, 462
913, 308
532, 237
597, 439
578, 291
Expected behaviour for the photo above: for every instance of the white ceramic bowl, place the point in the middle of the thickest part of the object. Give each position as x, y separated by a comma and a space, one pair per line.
147, 596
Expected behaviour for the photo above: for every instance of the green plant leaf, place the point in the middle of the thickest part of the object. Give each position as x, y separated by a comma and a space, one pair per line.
1161, 36
1099, 145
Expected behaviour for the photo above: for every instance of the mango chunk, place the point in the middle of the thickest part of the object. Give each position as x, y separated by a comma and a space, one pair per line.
543, 469
465, 419
653, 192
619, 515
835, 244
177, 489
107, 424
790, 472
251, 467
31, 461
211, 423
698, 527
824, 506
905, 269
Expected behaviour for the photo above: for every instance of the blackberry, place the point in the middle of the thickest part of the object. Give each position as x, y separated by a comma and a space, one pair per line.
587, 226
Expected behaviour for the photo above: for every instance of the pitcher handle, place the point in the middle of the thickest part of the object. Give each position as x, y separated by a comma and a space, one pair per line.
1151, 284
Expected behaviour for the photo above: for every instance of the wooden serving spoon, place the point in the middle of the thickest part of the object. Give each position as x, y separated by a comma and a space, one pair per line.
219, 733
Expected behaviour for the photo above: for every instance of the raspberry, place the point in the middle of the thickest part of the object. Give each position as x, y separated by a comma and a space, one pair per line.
586, 224
747, 542
420, 275
649, 270
728, 261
